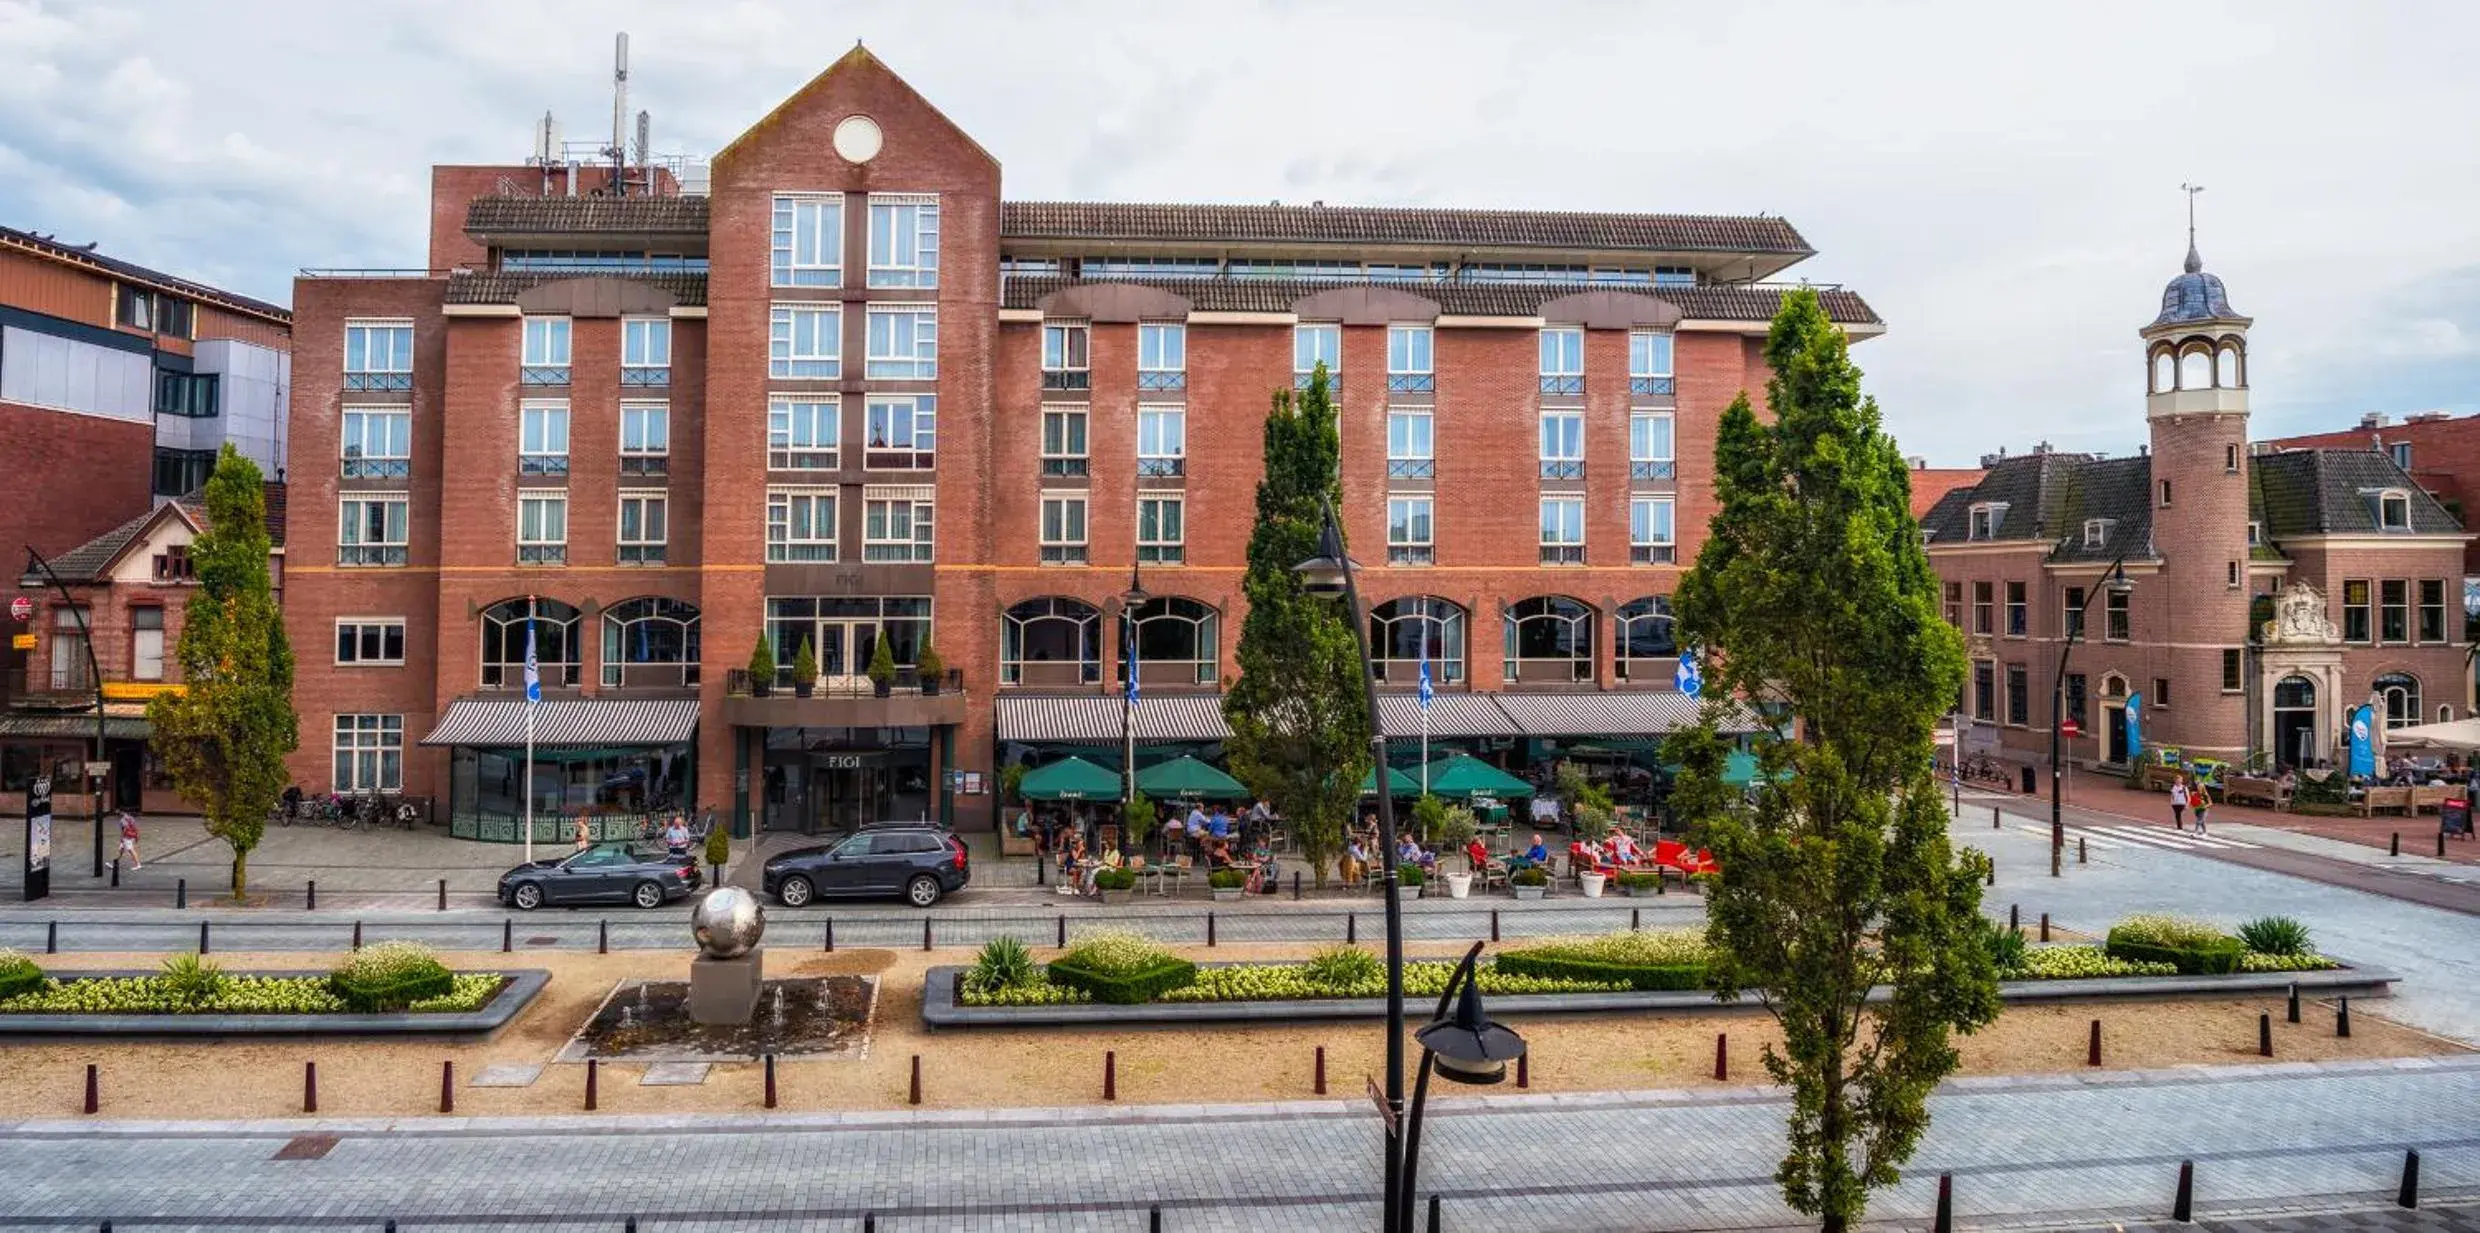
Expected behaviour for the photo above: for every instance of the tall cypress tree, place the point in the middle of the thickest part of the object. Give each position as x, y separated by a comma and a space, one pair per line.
1836, 874
224, 736
1299, 718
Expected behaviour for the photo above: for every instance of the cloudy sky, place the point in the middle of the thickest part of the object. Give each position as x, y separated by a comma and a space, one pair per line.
2003, 187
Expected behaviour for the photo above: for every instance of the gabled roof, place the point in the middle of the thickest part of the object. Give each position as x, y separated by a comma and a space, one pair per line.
1718, 302
87, 257
1323, 224
2048, 498
93, 560
2327, 492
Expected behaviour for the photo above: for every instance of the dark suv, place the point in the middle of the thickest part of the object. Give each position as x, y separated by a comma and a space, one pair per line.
918, 861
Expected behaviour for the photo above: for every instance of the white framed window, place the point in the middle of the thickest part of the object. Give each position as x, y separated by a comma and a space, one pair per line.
378, 355
800, 524
1162, 440
902, 433
2401, 450
2393, 511
377, 442
645, 526
1562, 444
1652, 446
370, 530
808, 248
1162, 531
2096, 532
146, 643
1067, 349
1411, 443
645, 438
896, 522
545, 359
1649, 362
903, 343
1985, 520
1652, 531
369, 753
1312, 345
802, 434
1162, 356
1063, 441
1562, 530
645, 351
542, 437
370, 641
1063, 528
805, 342
1409, 359
2256, 534
904, 240
1562, 361
1410, 530
542, 528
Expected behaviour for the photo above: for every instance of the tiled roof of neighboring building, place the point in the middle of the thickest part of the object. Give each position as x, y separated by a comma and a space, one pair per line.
2048, 497
85, 255
639, 215
495, 287
1930, 484
1721, 302
1321, 224
2328, 492
91, 561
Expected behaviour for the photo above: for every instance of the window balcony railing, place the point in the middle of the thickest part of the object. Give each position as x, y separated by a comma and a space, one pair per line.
1411, 382
542, 554
1334, 381
512, 675
736, 682
368, 382
1562, 385
1162, 554
1162, 468
1411, 554
642, 554
899, 460
377, 468
646, 378
542, 374
1056, 468
370, 554
1562, 554
1411, 468
801, 460
1649, 385
1162, 379
1063, 554
1562, 468
1654, 470
70, 679
542, 464
645, 464
1049, 673
1653, 554
1067, 379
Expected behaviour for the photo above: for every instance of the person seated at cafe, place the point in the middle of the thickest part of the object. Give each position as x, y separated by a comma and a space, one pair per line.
1175, 831
1218, 823
1476, 854
1622, 849
1355, 861
1110, 859
1262, 875
1535, 856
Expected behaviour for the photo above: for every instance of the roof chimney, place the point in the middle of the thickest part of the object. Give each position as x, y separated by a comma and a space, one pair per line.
1917, 462
2374, 419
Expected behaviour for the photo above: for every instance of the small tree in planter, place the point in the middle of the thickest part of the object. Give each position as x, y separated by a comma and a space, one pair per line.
1138, 826
930, 668
883, 668
1593, 820
718, 849
762, 669
1429, 814
804, 670
1226, 884
1456, 827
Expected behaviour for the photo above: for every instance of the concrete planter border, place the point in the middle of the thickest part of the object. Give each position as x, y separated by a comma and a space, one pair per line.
524, 984
939, 1008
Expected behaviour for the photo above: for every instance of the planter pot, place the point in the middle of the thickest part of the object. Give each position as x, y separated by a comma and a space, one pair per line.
803, 689
1416, 892
1109, 897
1592, 884
761, 689
1644, 892
1226, 894
1529, 892
1459, 885
929, 688
882, 688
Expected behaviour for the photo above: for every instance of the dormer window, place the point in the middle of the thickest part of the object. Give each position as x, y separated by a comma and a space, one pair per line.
2097, 532
1985, 520
2256, 535
2394, 511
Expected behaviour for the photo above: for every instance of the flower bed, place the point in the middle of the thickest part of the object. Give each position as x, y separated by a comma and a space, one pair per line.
387, 988
1646, 960
237, 995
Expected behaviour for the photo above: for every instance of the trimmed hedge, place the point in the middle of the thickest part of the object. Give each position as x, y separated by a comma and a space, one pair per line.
1638, 976
396, 993
19, 974
1144, 984
1116, 880
2212, 959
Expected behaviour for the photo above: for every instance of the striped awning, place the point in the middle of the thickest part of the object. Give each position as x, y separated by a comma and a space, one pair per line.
568, 721
1616, 713
57, 726
1094, 719
1449, 715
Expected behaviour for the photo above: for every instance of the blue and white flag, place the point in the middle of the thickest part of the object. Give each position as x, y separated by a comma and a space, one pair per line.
2363, 746
1685, 676
2135, 725
533, 669
1427, 691
1132, 667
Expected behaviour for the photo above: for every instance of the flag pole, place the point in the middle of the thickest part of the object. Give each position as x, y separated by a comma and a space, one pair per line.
533, 691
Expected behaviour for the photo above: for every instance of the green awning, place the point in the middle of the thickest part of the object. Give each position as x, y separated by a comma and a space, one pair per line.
1462, 776
1739, 770
1397, 784
1069, 779
1186, 778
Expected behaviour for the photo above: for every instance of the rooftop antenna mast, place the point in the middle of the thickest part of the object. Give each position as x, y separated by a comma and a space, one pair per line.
619, 151
645, 152
2194, 262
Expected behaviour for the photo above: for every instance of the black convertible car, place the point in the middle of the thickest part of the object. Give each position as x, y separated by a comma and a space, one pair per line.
608, 873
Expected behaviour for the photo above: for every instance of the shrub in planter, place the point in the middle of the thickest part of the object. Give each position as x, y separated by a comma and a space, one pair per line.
2257, 961
718, 845
1410, 876
1429, 816
2193, 947
390, 976
762, 668
1343, 967
18, 974
1116, 880
1640, 883
1530, 875
1003, 963
804, 670
930, 668
883, 668
1121, 968
2276, 935
1227, 879
2006, 946
1654, 959
191, 981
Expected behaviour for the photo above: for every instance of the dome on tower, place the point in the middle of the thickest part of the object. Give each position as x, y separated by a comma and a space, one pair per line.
2195, 296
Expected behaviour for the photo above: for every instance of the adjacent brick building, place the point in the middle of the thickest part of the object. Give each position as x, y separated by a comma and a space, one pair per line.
850, 397
2265, 589
2439, 450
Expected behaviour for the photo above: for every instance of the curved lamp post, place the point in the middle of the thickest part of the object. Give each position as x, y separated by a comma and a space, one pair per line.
94, 679
2114, 580
1464, 1047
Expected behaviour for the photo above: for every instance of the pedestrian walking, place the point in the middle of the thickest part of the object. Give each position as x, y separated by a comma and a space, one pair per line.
2178, 803
129, 839
585, 831
2204, 801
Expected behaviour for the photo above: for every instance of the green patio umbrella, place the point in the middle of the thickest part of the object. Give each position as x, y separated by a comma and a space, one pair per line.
1739, 769
1397, 784
1070, 779
1461, 776
1188, 779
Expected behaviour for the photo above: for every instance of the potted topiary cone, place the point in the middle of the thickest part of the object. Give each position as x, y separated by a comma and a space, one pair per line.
804, 671
762, 669
883, 668
930, 668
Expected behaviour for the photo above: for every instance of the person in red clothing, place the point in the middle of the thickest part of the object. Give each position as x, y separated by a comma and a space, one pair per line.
1477, 854
129, 839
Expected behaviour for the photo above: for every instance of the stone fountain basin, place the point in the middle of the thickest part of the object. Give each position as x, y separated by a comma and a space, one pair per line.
803, 1017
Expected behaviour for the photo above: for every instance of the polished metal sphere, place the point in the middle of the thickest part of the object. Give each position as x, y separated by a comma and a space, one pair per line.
727, 923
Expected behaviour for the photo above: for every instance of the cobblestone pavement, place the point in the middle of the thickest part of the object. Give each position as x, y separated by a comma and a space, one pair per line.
2045, 1150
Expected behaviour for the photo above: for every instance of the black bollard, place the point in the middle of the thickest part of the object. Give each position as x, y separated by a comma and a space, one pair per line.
1351, 927
1319, 1083
357, 935
2342, 1019
1524, 1070
1153, 1218
770, 1080
2264, 1035
914, 1097
51, 937
1636, 919
1946, 1203
1494, 924
591, 1077
1661, 885
94, 1089
1209, 928
1993, 871
2045, 926
2183, 1208
2441, 844
830, 945
1110, 1074
1063, 931
443, 894
204, 947
447, 1087
628, 1225
2409, 1195
602, 937
116, 871
2394, 847
1295, 886
1722, 1056
1433, 1212
869, 1220
2079, 849
925, 933
309, 1087
180, 892
2014, 918
2294, 1006
2092, 1047
1993, 817
507, 936
310, 896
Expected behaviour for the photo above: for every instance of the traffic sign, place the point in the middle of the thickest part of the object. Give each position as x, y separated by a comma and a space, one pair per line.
1377, 1096
2069, 728
21, 608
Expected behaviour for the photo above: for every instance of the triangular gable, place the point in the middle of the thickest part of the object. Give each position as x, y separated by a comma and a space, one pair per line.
145, 541
857, 61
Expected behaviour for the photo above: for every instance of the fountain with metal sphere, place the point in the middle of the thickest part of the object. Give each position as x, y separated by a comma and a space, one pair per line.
730, 968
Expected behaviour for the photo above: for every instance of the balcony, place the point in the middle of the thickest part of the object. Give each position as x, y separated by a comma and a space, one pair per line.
1653, 554
542, 374
370, 554
542, 464
1067, 379
846, 702
1162, 379
377, 382
1334, 382
1562, 554
1065, 468
1162, 468
1562, 384
1411, 382
645, 465
1562, 468
1649, 386
377, 468
645, 378
1660, 469
1411, 468
542, 554
1411, 554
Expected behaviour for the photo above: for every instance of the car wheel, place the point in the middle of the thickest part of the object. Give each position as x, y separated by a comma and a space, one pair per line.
648, 895
528, 896
795, 891
922, 891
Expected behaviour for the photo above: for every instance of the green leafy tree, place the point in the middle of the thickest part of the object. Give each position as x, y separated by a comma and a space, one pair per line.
224, 736
1299, 721
1837, 876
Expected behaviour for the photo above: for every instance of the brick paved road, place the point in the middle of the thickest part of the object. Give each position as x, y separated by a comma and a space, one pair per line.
2046, 1150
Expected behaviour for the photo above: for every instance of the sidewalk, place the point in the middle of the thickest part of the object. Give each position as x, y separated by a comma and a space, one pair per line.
2112, 796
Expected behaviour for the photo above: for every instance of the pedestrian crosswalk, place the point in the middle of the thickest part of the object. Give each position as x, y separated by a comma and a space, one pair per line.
2132, 836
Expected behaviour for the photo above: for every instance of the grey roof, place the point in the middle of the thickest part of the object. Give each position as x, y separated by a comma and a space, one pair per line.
1322, 224
639, 215
495, 287
87, 562
2195, 296
85, 255
2048, 497
1711, 303
2327, 492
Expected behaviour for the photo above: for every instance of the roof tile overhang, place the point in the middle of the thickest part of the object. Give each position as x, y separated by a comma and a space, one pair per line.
1125, 221
1720, 302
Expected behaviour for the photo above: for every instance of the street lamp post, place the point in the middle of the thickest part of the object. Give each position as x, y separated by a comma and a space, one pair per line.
94, 678
1129, 601
1466, 1047
2114, 580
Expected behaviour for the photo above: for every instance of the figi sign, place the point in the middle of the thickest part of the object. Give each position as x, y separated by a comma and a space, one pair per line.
39, 838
